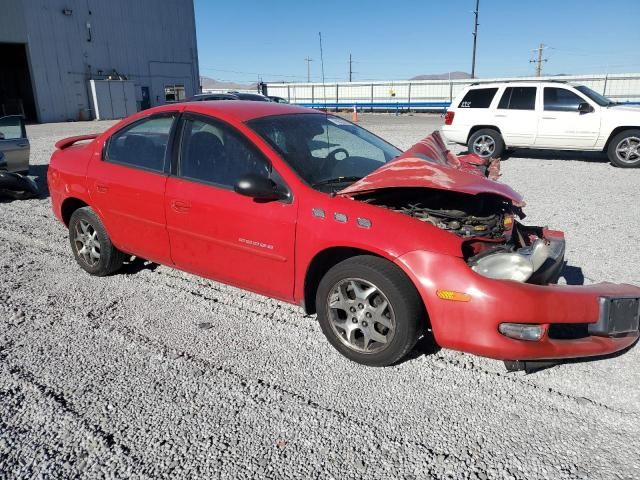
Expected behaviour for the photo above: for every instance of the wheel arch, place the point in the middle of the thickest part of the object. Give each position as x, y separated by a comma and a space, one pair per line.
325, 259
615, 132
70, 205
475, 128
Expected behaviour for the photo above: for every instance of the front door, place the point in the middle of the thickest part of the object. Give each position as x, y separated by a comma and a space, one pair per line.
127, 183
516, 116
562, 125
14, 144
218, 233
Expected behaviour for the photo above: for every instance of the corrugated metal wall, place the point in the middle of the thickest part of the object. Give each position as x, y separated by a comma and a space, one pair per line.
431, 95
150, 42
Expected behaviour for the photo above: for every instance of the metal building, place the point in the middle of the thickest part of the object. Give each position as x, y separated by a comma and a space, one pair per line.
51, 50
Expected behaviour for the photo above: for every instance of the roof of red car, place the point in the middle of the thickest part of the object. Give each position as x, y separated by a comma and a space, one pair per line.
243, 110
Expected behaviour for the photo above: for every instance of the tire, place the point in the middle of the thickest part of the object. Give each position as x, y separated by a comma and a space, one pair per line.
402, 320
486, 143
87, 230
629, 139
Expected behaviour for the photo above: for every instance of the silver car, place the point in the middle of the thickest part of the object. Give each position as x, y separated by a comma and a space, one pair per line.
14, 145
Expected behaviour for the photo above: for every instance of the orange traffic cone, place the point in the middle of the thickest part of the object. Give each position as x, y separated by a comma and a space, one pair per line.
354, 115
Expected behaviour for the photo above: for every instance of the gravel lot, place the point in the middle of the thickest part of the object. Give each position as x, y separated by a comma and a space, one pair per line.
158, 373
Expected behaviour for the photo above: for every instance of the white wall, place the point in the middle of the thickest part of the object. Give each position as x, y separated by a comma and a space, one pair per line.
431, 94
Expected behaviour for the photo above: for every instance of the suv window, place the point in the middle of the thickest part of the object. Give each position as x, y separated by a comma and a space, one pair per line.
561, 100
478, 98
213, 152
518, 98
142, 144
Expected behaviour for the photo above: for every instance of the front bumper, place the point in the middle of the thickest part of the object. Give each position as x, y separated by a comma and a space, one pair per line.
472, 326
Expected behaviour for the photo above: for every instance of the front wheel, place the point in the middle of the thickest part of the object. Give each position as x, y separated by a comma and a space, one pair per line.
624, 149
486, 143
91, 245
369, 310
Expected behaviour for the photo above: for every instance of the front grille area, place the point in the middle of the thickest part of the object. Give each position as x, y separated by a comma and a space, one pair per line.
568, 331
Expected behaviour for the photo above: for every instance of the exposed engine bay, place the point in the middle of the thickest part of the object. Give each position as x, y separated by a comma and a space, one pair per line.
460, 213
496, 246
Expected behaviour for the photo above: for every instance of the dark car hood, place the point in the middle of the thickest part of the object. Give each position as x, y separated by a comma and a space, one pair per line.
430, 164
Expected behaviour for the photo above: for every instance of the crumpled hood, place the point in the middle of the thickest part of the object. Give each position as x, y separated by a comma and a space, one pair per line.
430, 164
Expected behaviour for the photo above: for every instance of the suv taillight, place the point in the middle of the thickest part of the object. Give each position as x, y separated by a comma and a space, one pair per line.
448, 118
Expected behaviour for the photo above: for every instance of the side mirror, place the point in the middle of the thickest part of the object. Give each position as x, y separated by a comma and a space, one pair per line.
584, 107
1, 136
258, 187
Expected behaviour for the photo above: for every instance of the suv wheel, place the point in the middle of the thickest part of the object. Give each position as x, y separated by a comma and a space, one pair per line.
486, 143
624, 149
91, 245
369, 310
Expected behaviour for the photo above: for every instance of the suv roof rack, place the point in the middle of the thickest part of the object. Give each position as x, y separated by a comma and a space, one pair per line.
516, 81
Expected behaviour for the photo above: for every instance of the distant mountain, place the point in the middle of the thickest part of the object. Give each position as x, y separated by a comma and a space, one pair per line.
443, 76
213, 84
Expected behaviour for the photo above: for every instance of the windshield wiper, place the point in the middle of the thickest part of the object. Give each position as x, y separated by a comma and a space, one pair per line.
331, 181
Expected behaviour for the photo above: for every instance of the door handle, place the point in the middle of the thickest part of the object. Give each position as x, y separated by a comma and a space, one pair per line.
180, 206
22, 145
549, 118
501, 116
101, 188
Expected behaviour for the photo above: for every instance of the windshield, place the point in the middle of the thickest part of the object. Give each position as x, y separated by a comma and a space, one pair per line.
325, 151
596, 97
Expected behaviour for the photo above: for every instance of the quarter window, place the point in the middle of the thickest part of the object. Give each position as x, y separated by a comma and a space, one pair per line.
143, 144
478, 98
561, 100
518, 98
214, 153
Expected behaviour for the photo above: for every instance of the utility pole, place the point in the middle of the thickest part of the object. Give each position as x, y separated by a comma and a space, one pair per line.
308, 60
350, 68
475, 39
539, 60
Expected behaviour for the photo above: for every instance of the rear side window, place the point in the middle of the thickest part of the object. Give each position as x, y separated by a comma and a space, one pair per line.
518, 98
478, 98
143, 144
561, 100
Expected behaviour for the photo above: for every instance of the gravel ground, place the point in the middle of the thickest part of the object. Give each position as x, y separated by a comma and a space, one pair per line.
158, 373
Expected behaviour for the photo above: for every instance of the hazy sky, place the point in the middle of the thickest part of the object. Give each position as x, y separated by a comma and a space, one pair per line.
242, 40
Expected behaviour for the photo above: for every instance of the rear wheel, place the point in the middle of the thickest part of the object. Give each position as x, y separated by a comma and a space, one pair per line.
91, 245
624, 149
369, 310
486, 143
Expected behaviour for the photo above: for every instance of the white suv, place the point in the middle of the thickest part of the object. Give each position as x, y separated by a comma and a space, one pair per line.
490, 117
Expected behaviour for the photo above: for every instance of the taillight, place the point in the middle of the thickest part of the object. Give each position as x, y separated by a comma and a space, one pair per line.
448, 118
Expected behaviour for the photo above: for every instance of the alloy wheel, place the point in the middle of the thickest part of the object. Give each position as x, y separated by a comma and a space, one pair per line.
87, 243
628, 150
484, 146
361, 315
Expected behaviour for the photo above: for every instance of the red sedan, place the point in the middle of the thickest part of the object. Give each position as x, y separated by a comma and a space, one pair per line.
308, 208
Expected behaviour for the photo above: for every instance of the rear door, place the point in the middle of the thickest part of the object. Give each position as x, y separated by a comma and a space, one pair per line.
562, 125
14, 144
516, 116
127, 186
218, 233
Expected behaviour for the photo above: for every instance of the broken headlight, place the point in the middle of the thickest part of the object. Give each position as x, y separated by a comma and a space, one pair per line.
518, 265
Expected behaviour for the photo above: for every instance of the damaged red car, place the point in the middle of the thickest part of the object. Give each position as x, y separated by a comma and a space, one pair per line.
385, 246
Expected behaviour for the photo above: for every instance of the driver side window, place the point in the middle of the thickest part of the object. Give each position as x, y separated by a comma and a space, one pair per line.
212, 152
